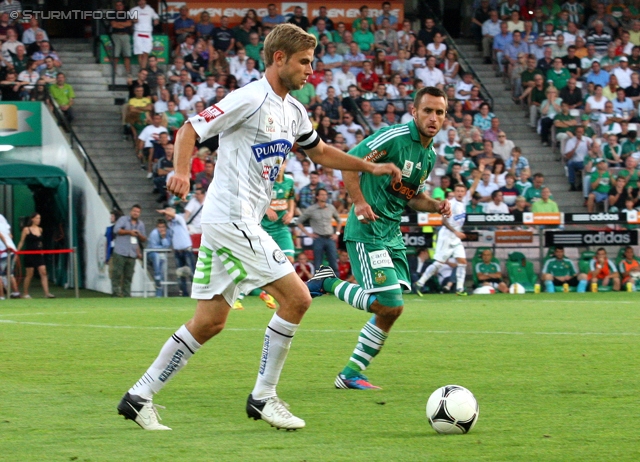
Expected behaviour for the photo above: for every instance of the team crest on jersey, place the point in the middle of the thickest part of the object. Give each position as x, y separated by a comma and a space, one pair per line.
294, 127
279, 256
211, 113
270, 125
407, 169
380, 277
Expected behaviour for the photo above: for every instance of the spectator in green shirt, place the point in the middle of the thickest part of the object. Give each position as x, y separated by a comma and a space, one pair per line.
440, 193
558, 74
63, 94
600, 185
254, 46
564, 122
364, 37
536, 98
545, 204
534, 192
306, 95
474, 205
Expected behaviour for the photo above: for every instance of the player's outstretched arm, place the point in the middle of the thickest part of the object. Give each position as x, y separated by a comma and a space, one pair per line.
329, 156
179, 183
423, 203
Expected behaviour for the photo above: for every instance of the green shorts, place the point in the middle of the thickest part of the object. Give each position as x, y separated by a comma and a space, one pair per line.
284, 239
378, 268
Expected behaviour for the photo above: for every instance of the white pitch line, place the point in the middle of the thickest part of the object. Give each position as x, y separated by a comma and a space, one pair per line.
341, 331
47, 312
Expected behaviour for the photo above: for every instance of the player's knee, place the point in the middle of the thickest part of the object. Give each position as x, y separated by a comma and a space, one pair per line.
389, 313
547, 277
300, 302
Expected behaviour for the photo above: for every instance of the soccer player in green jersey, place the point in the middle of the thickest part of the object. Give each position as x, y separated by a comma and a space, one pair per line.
559, 271
372, 234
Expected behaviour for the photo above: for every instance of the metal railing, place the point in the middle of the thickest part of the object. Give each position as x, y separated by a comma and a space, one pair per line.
461, 59
87, 163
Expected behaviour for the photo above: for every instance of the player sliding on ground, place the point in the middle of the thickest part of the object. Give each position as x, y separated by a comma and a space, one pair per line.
450, 243
372, 234
258, 124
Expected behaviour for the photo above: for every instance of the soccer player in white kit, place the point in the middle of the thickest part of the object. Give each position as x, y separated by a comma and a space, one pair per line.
258, 124
450, 242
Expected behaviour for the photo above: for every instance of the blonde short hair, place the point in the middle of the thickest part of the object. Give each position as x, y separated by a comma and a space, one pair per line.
289, 39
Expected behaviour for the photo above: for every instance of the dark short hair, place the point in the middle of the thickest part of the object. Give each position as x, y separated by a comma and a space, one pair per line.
319, 190
433, 91
136, 206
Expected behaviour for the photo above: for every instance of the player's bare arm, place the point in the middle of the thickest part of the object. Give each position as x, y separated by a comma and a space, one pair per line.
457, 233
329, 156
423, 203
179, 184
363, 210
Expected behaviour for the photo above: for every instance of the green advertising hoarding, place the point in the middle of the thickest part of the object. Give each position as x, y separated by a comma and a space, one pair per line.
160, 49
21, 123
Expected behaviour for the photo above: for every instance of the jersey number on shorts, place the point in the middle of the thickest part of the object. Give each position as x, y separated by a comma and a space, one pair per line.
229, 261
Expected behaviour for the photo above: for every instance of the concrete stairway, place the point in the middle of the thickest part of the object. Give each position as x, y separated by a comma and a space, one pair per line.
99, 127
515, 125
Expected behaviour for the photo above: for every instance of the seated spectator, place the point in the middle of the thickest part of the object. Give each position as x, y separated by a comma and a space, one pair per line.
45, 50
576, 149
41, 93
164, 167
572, 62
608, 121
489, 273
141, 81
509, 191
381, 66
250, 73
558, 75
502, 147
402, 66
603, 272
157, 152
545, 204
148, 135
30, 76
440, 193
475, 206
379, 101
430, 75
475, 148
446, 149
174, 118
304, 269
494, 131
548, 110
464, 86
559, 270
563, 122
348, 129
466, 164
377, 123
467, 131
499, 173
161, 105
482, 120
18, 60
485, 188
29, 35
629, 266
64, 95
10, 87
50, 72
11, 44
623, 106
474, 102
496, 205
536, 98
205, 177
187, 102
534, 192
609, 90
619, 194
204, 27
153, 74
487, 158
517, 162
174, 72
196, 63
597, 75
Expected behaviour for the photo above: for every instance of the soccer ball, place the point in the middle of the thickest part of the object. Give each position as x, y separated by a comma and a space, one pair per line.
452, 410
517, 289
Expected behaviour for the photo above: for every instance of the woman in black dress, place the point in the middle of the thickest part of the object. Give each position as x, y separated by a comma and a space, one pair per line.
31, 239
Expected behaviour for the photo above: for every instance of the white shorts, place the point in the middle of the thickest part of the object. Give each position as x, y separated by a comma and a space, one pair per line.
445, 250
142, 42
236, 258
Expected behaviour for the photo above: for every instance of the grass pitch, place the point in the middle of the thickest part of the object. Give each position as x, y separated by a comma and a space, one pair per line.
556, 378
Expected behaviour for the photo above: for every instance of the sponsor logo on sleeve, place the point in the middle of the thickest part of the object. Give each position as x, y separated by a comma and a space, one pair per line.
211, 113
380, 259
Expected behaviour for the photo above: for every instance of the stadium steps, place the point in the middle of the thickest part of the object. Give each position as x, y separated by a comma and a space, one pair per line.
98, 124
515, 125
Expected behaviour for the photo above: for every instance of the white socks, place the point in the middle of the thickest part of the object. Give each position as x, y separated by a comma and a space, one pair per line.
173, 356
277, 340
431, 270
461, 272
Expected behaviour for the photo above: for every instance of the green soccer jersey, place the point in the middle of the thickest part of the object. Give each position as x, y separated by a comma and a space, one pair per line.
605, 181
466, 166
608, 152
280, 196
563, 118
532, 194
487, 268
400, 145
559, 268
522, 186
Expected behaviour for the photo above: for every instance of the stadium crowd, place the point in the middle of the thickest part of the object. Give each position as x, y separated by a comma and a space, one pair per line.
573, 66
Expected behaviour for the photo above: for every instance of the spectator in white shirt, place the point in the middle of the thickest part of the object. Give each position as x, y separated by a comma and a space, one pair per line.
249, 74
574, 153
207, 89
29, 35
187, 103
496, 205
486, 187
464, 86
623, 73
431, 75
344, 78
238, 63
348, 129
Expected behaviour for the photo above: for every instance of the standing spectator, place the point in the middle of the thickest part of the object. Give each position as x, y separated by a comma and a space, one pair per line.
31, 240
183, 25
603, 271
143, 31
130, 234
325, 238
181, 243
164, 168
64, 95
159, 239
489, 29
121, 30
7, 244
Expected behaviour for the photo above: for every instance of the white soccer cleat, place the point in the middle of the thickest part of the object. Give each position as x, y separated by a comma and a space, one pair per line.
275, 412
141, 411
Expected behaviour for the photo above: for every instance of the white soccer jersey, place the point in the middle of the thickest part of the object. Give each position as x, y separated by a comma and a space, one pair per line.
257, 130
145, 17
456, 221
